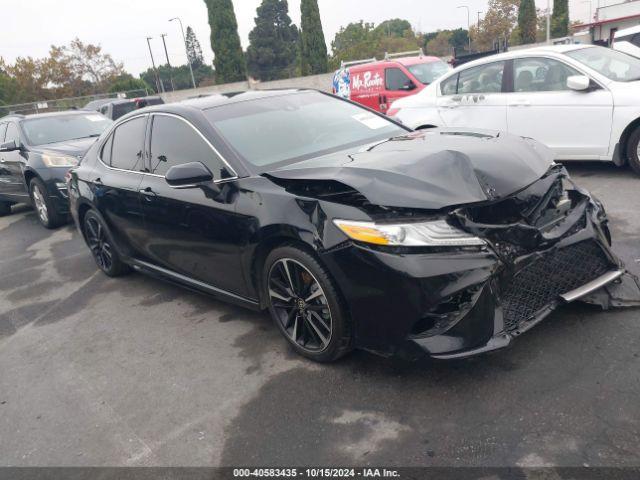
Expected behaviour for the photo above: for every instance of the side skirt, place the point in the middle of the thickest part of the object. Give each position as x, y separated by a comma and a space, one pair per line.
193, 284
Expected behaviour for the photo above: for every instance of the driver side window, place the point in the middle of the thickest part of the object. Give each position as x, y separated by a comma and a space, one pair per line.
175, 142
541, 75
396, 79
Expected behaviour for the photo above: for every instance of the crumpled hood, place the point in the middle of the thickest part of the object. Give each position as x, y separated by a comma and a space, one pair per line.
74, 148
432, 169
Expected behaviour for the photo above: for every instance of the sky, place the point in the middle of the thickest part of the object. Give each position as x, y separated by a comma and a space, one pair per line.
121, 27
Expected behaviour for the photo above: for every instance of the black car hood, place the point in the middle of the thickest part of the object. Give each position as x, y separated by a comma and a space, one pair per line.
432, 169
76, 148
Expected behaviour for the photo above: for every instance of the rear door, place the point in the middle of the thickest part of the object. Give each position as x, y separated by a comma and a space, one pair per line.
191, 231
4, 171
575, 125
474, 98
367, 86
117, 183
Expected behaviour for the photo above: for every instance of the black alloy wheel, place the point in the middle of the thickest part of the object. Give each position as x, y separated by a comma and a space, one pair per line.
305, 305
101, 246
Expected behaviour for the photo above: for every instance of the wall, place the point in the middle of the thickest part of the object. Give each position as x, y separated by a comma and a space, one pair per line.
319, 82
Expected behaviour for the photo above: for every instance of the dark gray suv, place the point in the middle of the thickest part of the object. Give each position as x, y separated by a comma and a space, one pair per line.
36, 152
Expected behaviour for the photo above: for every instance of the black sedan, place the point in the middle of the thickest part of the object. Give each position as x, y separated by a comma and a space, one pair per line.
353, 231
36, 152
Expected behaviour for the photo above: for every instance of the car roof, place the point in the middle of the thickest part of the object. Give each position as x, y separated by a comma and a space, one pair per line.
406, 61
62, 113
218, 99
546, 49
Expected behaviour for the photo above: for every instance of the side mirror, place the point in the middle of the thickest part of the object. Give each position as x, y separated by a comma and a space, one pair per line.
579, 83
9, 146
409, 86
188, 175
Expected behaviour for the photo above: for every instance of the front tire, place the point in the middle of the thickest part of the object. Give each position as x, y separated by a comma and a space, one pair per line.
305, 304
99, 241
633, 151
45, 209
5, 208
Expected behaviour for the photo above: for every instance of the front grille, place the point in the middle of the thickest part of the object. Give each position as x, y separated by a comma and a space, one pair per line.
541, 282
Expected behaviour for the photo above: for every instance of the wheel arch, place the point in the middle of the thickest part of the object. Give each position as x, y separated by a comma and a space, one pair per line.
621, 158
272, 239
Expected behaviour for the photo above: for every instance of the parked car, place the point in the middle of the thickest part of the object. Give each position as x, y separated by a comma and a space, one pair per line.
581, 101
116, 108
36, 152
377, 84
349, 228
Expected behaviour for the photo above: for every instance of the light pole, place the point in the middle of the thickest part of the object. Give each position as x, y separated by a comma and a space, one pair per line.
548, 21
159, 85
184, 38
468, 23
166, 53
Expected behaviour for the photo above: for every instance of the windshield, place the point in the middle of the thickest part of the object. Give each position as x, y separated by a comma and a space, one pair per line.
612, 64
40, 131
429, 72
285, 129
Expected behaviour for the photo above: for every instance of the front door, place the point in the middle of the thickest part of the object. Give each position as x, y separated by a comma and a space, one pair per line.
474, 98
13, 166
192, 231
575, 125
398, 85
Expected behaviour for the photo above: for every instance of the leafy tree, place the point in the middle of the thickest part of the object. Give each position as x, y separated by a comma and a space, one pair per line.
203, 74
498, 23
560, 19
527, 22
458, 39
272, 51
194, 50
396, 27
229, 59
8, 87
313, 48
440, 45
127, 82
362, 40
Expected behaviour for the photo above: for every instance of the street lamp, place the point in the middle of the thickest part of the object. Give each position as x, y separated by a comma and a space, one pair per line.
184, 38
468, 23
159, 85
548, 21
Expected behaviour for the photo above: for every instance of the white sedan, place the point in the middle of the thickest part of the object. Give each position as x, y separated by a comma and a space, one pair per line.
582, 101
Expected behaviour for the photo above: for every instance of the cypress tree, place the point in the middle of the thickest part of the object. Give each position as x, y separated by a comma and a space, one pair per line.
194, 50
313, 46
527, 22
560, 19
229, 59
273, 42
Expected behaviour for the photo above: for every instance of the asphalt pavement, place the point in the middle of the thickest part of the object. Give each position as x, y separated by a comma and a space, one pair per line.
133, 371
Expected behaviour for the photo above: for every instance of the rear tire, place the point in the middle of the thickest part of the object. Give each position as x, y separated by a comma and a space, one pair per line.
45, 209
102, 248
5, 208
305, 304
633, 153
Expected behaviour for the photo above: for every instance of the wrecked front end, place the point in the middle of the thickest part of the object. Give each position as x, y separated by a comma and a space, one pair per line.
546, 245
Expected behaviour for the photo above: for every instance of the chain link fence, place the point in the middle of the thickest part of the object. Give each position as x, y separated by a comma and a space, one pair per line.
61, 104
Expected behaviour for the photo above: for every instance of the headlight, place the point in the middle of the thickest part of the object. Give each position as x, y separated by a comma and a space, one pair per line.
436, 233
59, 161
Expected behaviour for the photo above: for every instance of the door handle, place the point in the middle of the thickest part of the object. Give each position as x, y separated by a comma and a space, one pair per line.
148, 192
450, 106
520, 103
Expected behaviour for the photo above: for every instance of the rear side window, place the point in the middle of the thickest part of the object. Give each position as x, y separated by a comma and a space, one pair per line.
396, 79
450, 85
482, 79
105, 154
3, 129
174, 142
12, 133
128, 141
